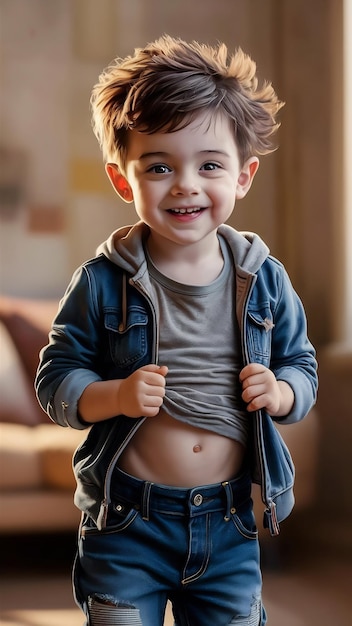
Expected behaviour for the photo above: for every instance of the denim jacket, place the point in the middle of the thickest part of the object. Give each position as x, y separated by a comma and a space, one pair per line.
107, 327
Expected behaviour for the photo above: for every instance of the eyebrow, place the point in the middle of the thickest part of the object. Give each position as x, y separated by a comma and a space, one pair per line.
163, 155
149, 155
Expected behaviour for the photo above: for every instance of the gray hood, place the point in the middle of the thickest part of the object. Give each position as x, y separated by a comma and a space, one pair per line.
124, 247
248, 249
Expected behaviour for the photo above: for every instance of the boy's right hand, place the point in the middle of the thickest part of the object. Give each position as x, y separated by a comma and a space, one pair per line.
142, 393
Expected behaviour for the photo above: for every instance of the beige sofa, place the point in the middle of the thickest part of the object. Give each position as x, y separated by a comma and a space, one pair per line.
36, 479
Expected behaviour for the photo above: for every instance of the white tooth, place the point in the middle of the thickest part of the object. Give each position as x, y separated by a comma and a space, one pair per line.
183, 211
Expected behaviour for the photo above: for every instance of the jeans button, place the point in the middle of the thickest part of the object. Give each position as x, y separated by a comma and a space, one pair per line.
198, 499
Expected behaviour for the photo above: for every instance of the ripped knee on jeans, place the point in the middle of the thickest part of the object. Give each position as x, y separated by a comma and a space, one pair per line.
253, 619
105, 609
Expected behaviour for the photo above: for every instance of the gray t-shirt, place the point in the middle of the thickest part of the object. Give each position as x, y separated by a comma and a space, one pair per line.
199, 342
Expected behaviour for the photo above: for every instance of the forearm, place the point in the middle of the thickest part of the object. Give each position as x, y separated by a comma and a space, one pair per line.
100, 401
287, 399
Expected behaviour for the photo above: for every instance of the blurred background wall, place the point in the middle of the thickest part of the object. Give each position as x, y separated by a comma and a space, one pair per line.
56, 204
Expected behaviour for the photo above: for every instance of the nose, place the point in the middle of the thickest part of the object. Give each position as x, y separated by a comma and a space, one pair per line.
185, 184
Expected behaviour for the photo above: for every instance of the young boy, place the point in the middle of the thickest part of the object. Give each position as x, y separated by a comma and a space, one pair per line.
180, 342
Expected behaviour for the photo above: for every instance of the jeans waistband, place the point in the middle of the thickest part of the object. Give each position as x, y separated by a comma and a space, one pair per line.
148, 496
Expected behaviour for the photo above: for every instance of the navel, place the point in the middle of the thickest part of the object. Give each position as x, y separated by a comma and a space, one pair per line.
197, 448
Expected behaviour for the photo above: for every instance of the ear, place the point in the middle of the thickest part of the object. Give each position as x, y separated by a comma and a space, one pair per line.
119, 182
246, 176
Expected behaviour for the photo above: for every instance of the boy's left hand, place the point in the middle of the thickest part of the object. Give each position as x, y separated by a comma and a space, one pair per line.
261, 390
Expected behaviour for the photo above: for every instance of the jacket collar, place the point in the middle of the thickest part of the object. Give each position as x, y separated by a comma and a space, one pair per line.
125, 248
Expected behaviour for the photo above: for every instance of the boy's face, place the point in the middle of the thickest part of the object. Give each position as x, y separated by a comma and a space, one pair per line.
184, 184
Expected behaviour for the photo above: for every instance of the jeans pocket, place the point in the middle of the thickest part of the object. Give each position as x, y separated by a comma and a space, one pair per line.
118, 520
244, 521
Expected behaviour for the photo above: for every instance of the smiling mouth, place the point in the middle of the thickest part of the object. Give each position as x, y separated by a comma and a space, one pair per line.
185, 211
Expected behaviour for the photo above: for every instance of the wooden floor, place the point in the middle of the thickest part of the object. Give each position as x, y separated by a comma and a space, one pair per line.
311, 589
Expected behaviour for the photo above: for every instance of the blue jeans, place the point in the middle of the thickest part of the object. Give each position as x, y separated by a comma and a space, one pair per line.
196, 547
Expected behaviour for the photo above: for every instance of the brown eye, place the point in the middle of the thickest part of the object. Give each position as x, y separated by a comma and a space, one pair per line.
159, 169
210, 166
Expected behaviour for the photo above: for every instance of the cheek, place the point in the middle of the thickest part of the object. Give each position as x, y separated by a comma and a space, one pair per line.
143, 203
138, 193
224, 196
149, 195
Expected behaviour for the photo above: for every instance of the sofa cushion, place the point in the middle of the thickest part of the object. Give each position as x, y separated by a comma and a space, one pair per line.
56, 446
17, 400
24, 327
19, 460
28, 322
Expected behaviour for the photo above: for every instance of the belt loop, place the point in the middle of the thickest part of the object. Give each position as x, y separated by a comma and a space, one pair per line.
229, 501
145, 500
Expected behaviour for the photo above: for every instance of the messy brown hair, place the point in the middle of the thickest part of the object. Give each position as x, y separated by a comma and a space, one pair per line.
162, 87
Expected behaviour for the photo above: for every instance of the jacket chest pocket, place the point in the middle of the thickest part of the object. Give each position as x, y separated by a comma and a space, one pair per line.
128, 339
259, 333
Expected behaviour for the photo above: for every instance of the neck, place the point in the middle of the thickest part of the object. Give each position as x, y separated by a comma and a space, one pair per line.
190, 265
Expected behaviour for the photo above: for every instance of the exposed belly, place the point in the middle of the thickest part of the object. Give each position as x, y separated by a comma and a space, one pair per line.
167, 451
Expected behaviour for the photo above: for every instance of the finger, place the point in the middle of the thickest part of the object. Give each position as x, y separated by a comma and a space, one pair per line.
151, 411
163, 370
243, 374
154, 382
153, 367
153, 401
155, 390
252, 392
258, 402
246, 372
251, 369
251, 381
